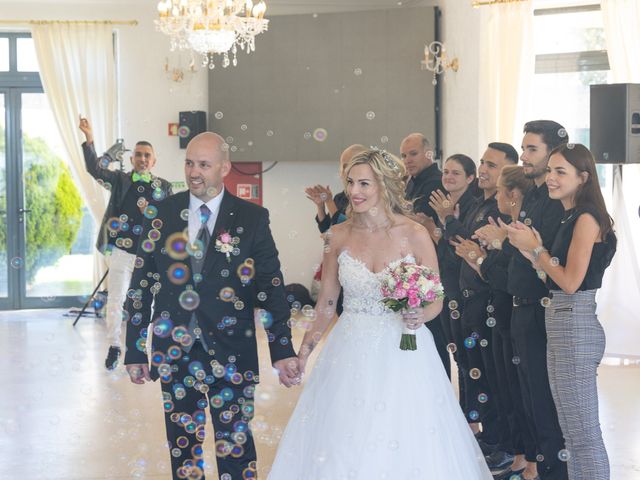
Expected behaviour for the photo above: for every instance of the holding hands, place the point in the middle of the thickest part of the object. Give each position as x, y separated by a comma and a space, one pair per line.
289, 371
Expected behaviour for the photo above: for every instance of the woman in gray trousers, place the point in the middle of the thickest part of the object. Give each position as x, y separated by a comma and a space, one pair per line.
582, 250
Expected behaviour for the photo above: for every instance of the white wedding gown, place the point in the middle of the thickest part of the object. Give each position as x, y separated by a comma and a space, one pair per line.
372, 411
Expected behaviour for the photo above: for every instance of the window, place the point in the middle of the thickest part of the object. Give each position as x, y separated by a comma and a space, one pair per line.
571, 55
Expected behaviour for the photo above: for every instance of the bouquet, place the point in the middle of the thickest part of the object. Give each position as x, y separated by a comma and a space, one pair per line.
410, 286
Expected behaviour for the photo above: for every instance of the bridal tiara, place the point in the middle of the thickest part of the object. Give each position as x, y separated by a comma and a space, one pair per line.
391, 163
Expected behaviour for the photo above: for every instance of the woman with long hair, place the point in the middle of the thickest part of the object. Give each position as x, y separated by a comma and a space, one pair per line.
574, 267
370, 409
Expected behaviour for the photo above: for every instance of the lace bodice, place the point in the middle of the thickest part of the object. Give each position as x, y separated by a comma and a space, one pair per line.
361, 286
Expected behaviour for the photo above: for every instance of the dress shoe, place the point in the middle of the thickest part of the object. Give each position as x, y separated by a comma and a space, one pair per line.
509, 474
487, 448
113, 355
498, 460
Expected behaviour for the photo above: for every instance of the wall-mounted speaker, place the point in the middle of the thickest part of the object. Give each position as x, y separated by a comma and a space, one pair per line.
615, 123
191, 124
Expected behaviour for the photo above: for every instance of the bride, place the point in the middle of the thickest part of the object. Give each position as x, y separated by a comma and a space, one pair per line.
370, 410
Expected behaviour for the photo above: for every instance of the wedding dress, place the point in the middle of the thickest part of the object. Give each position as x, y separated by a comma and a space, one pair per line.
372, 411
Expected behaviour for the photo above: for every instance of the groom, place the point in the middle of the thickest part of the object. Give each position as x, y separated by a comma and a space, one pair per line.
206, 260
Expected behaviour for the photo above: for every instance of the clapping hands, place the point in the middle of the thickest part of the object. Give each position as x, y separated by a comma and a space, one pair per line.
443, 205
469, 251
492, 235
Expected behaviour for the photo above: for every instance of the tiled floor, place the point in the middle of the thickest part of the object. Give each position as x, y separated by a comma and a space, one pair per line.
63, 416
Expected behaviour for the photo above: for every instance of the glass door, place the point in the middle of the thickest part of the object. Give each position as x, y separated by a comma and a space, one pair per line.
4, 240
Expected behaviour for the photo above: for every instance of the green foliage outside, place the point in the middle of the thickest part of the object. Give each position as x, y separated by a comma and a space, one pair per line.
56, 207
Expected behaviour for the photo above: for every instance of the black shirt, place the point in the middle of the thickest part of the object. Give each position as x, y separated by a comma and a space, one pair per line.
419, 188
477, 217
601, 255
448, 261
125, 229
544, 214
342, 202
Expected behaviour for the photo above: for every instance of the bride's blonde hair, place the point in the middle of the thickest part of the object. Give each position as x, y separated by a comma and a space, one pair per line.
389, 174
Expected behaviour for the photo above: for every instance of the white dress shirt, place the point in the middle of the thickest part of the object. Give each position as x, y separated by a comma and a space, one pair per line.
195, 222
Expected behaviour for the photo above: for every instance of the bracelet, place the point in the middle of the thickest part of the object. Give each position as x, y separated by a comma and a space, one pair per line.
536, 252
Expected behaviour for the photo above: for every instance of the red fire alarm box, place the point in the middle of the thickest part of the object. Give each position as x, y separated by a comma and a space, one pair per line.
245, 181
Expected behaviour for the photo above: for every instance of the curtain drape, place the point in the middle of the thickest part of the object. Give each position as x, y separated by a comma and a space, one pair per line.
507, 66
77, 68
617, 298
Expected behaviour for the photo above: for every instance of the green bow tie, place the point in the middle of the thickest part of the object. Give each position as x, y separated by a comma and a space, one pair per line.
145, 177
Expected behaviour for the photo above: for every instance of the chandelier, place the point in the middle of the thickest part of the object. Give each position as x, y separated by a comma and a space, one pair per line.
212, 27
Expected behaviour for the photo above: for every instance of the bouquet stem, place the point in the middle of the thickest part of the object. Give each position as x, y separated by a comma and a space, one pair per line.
408, 340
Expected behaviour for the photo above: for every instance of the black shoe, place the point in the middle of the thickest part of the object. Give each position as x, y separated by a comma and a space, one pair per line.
487, 448
509, 474
111, 361
498, 460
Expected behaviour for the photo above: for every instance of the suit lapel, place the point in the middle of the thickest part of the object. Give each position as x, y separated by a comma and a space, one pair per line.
224, 221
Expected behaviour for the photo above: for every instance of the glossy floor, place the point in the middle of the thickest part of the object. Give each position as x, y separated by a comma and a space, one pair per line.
63, 416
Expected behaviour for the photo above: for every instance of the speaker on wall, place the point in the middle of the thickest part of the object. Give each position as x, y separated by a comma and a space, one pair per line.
615, 123
191, 124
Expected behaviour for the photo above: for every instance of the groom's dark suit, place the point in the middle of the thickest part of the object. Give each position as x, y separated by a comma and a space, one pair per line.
230, 288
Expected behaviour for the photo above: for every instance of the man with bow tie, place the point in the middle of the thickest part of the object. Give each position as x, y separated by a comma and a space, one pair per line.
207, 260
133, 197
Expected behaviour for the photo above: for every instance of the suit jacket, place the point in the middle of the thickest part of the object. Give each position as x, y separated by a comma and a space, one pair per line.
119, 183
230, 288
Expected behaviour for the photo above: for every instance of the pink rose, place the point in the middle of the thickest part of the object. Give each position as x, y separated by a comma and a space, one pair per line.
225, 238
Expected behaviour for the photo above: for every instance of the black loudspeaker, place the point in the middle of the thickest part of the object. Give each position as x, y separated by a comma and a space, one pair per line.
190, 125
615, 123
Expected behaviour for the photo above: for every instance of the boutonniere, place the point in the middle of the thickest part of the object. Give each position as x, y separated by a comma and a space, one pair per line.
227, 244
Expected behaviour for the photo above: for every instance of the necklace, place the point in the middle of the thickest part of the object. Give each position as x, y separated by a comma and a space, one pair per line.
564, 220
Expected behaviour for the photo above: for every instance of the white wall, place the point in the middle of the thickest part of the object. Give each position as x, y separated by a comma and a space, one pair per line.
461, 109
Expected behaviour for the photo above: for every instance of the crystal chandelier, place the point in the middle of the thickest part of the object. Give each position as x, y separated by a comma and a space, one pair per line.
212, 27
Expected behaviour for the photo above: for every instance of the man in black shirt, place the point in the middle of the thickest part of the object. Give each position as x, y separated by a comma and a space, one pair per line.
133, 199
425, 177
529, 292
482, 393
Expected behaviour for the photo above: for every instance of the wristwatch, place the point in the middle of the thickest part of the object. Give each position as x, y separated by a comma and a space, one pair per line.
536, 252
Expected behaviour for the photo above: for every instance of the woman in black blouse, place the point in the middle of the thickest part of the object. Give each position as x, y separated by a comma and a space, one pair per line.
582, 250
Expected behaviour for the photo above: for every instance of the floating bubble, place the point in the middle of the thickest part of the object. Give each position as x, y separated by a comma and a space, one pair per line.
483, 398
469, 342
276, 282
453, 305
474, 415
307, 135
491, 322
151, 212
269, 133
545, 302
564, 455
484, 342
515, 360
262, 296
357, 72
178, 273
154, 235
176, 246
540, 458
238, 305
320, 134
562, 133
452, 348
475, 373
189, 300
219, 115
227, 294
527, 222
370, 115
490, 308
162, 327
571, 146
148, 246
17, 262
455, 314
554, 261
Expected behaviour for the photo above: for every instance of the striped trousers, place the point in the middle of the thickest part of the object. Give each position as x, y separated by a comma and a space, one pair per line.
575, 346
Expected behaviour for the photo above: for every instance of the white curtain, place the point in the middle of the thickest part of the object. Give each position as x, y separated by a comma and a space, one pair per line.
77, 68
618, 297
507, 66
